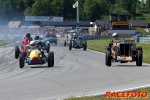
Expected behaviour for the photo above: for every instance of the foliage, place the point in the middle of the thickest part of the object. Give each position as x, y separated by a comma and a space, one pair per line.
88, 9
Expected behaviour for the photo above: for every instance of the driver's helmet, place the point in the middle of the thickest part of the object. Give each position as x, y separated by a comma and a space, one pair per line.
74, 34
28, 36
32, 43
115, 35
37, 37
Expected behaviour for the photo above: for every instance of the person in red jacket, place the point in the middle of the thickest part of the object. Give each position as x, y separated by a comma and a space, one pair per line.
27, 39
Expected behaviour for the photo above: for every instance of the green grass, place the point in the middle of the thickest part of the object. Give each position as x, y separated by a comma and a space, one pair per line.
3, 43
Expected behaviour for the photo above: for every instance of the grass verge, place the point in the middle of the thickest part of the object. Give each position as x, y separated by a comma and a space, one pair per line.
3, 42
104, 98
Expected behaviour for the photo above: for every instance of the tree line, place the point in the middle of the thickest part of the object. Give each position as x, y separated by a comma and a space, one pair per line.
88, 9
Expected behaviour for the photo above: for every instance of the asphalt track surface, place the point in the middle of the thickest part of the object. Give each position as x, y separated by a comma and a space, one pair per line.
75, 73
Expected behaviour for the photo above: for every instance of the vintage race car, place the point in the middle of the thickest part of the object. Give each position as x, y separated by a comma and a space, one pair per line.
77, 43
35, 57
44, 44
67, 41
24, 47
123, 51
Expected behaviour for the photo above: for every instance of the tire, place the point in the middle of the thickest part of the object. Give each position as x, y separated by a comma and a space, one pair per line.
21, 60
70, 46
49, 59
52, 54
108, 58
48, 49
56, 43
64, 43
85, 46
139, 58
17, 52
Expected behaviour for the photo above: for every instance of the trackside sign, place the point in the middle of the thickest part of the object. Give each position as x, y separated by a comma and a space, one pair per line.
43, 18
120, 23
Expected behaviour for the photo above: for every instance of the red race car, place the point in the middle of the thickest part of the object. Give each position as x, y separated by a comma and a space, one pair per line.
25, 46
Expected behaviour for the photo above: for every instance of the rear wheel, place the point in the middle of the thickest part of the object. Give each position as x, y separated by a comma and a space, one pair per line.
48, 49
139, 58
85, 46
49, 59
17, 52
21, 60
52, 54
108, 58
64, 43
70, 46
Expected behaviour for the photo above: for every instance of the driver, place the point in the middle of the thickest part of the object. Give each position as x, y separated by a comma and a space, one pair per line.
37, 37
74, 36
27, 38
34, 46
115, 37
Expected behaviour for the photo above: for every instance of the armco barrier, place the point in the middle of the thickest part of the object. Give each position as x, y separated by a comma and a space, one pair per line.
91, 37
144, 39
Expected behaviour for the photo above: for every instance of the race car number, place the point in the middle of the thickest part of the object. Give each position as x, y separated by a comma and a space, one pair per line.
120, 58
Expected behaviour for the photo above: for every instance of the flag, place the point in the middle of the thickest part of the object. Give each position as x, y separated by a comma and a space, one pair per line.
75, 5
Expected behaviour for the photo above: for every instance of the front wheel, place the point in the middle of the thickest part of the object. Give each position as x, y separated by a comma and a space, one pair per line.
21, 60
139, 58
50, 59
108, 58
17, 52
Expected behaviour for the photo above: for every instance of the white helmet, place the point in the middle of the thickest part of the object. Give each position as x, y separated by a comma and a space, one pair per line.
115, 34
32, 43
74, 34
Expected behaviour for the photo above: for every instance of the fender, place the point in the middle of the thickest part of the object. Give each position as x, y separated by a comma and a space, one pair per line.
139, 48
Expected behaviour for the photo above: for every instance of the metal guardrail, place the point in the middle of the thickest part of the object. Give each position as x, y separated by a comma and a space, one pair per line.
144, 39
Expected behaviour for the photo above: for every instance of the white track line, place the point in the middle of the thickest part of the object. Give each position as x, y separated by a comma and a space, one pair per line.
104, 93
96, 51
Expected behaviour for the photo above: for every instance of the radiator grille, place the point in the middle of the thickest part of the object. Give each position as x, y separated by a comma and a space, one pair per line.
124, 49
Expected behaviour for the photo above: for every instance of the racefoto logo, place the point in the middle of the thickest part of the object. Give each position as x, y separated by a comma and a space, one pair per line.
129, 94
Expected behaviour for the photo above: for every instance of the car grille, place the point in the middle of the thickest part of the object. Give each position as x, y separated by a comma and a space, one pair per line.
124, 49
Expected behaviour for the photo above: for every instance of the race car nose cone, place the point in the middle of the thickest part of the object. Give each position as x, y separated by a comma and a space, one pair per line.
34, 59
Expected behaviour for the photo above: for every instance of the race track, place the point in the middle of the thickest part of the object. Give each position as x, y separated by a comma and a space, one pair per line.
75, 73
